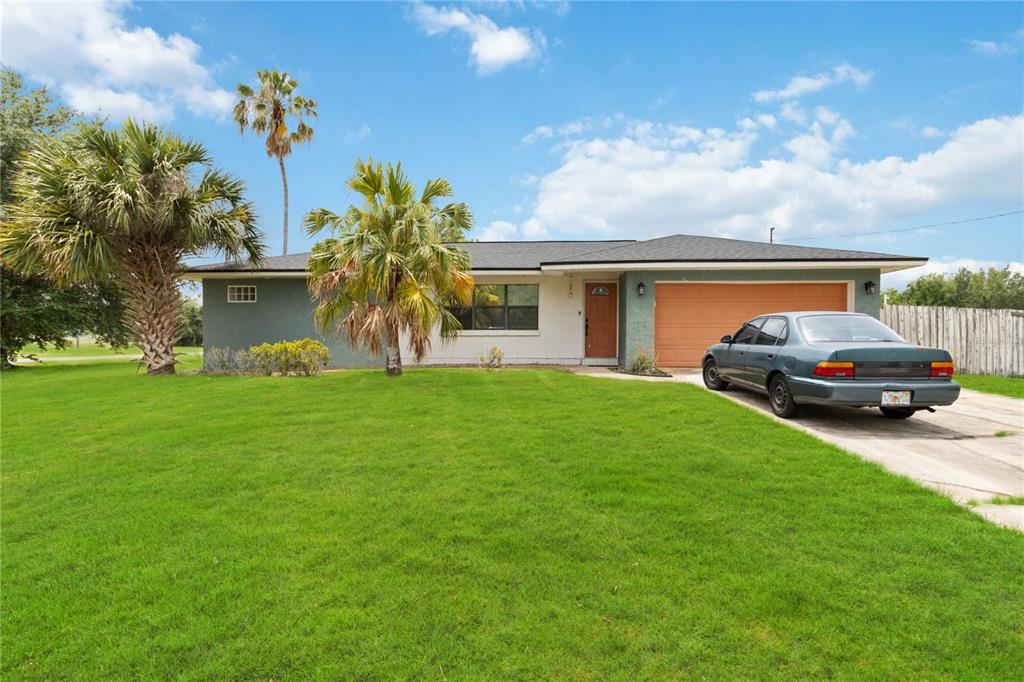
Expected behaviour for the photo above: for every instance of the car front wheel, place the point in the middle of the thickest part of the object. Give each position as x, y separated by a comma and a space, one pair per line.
781, 398
712, 379
897, 412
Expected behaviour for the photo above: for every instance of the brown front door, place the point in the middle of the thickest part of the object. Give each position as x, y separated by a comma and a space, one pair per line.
602, 319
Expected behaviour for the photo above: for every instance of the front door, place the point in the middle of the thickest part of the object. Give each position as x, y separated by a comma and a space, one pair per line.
602, 319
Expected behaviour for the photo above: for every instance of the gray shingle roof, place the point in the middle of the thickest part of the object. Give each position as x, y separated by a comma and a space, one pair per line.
689, 248
677, 248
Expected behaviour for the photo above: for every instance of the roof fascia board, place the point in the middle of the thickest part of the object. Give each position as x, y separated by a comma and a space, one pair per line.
821, 264
199, 275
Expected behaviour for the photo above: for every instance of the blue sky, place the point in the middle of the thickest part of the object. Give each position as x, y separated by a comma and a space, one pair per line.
595, 120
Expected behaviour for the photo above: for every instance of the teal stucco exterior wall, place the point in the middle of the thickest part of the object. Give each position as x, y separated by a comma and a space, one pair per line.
637, 312
283, 311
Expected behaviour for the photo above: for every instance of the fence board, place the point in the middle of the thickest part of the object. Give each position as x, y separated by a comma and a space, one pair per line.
981, 341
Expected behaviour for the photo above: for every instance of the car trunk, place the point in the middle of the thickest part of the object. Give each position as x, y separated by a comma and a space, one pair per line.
876, 360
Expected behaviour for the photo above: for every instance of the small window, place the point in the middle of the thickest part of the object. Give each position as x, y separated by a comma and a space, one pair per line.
773, 330
600, 291
241, 293
749, 331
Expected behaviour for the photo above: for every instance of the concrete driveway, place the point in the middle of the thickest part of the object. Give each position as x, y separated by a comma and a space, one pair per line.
970, 451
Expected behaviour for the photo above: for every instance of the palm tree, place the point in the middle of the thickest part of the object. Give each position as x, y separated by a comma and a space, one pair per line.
128, 204
266, 111
387, 269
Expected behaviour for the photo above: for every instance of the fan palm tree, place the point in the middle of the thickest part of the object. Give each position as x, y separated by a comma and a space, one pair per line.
128, 204
267, 110
388, 269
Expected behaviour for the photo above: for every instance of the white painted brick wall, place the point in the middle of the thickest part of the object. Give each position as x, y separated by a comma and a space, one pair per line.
558, 340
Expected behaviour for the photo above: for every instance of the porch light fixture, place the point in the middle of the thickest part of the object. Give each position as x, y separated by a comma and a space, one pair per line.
871, 288
641, 289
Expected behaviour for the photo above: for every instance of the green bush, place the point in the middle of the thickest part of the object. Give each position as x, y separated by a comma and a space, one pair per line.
306, 357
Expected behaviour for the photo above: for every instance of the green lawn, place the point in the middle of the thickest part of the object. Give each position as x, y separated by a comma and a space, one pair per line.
455, 524
1011, 386
89, 348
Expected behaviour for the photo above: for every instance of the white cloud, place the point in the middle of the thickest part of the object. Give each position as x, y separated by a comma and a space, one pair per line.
945, 266
534, 229
802, 85
990, 48
928, 132
571, 128
355, 135
792, 112
492, 48
655, 179
662, 99
103, 65
504, 231
117, 105
498, 231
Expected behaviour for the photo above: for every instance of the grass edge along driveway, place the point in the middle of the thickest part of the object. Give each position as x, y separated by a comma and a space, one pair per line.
458, 523
1012, 387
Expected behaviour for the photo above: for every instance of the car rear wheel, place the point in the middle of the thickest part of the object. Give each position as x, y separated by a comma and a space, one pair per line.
781, 398
712, 379
897, 412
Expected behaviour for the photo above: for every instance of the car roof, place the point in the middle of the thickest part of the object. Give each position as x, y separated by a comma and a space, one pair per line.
808, 313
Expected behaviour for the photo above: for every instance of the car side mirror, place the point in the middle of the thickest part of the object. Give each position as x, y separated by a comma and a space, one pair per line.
726, 339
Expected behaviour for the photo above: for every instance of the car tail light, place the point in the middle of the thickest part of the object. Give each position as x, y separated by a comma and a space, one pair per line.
942, 369
834, 370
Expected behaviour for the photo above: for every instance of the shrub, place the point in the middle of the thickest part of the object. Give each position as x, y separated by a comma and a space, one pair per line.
306, 356
218, 360
643, 363
493, 359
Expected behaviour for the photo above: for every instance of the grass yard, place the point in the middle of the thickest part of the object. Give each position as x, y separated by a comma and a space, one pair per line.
455, 524
1009, 386
89, 348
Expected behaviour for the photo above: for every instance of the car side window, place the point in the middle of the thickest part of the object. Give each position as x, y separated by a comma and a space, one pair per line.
749, 331
771, 332
784, 336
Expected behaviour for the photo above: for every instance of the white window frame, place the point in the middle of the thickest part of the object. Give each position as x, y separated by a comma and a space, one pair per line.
240, 292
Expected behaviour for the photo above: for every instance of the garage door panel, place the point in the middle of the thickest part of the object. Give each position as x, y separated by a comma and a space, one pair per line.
690, 317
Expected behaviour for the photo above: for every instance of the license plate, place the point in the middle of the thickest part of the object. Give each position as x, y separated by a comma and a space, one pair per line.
897, 398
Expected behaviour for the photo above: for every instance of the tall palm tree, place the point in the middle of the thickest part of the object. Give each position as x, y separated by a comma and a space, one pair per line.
267, 110
128, 204
387, 269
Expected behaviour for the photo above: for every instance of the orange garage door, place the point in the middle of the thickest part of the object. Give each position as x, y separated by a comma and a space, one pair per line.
690, 317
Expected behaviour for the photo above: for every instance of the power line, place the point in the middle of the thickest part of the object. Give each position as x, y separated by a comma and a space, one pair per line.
905, 229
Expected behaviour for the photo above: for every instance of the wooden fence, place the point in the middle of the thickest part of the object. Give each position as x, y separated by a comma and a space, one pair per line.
981, 341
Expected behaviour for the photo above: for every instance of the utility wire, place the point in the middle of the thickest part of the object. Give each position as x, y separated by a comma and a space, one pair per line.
905, 229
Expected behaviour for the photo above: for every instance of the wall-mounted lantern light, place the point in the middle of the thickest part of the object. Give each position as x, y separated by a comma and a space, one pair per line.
871, 288
641, 289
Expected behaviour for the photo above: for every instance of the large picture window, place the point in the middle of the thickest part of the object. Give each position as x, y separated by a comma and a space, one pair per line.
501, 306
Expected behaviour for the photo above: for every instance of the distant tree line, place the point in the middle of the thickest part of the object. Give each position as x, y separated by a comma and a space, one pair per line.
992, 288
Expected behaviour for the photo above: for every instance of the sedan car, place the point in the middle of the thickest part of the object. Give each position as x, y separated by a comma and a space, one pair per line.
828, 358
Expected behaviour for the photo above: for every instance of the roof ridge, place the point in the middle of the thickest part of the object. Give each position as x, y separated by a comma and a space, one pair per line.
544, 241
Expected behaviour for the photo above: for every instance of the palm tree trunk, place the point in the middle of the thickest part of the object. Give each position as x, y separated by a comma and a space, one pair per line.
394, 353
284, 183
153, 307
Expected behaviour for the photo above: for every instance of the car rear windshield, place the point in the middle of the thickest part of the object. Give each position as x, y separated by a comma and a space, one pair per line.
845, 328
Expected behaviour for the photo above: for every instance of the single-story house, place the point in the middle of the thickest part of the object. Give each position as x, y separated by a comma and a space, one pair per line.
574, 302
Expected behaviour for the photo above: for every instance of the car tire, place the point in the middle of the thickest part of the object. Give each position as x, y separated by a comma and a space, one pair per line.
712, 379
897, 412
780, 398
